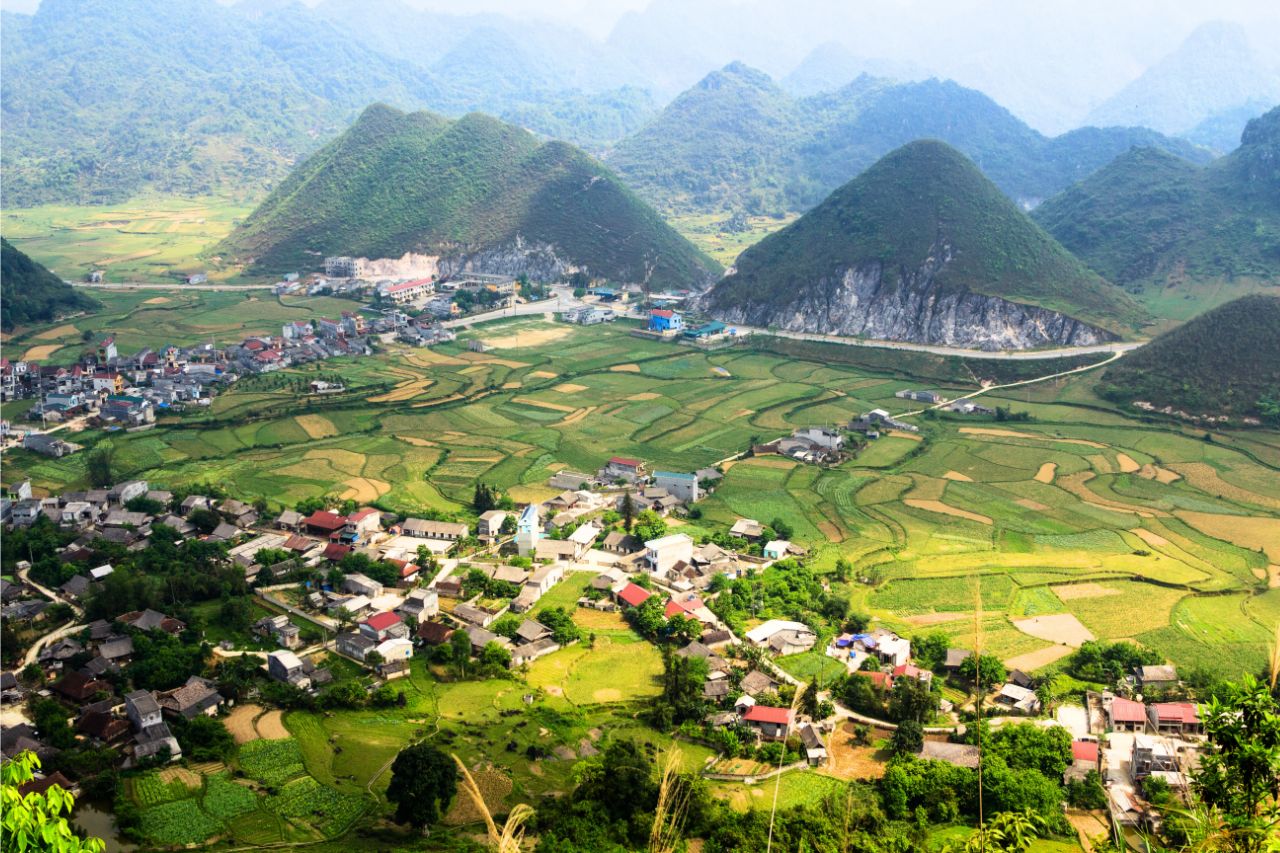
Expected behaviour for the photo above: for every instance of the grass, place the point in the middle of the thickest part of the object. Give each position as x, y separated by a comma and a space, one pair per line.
812, 666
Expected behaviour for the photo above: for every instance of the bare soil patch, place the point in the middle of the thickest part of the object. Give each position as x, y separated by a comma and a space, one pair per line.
625, 368
1056, 628
909, 436
646, 395
1155, 472
1100, 463
1155, 540
1031, 661
156, 300
578, 415
944, 509
569, 388
935, 618
1009, 433
530, 338
316, 426
830, 531
240, 723
957, 476
849, 761
403, 391
271, 726
1046, 472
1072, 591
181, 774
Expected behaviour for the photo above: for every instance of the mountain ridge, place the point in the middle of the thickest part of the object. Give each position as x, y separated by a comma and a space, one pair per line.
480, 194
922, 247
30, 293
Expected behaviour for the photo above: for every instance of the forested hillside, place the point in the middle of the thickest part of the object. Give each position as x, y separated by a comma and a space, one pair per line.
396, 182
1150, 216
32, 294
738, 141
1224, 362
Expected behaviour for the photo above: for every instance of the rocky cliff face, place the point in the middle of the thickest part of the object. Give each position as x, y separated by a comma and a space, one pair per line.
912, 308
540, 262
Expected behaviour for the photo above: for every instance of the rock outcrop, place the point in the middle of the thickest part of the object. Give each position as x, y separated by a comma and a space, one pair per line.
914, 308
540, 262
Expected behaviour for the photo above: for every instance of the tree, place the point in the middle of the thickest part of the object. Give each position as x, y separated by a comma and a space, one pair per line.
203, 738
782, 528
809, 700
37, 821
204, 520
908, 739
98, 466
628, 510
563, 629
983, 670
1240, 775
423, 782
460, 647
494, 656
931, 649
649, 525
911, 699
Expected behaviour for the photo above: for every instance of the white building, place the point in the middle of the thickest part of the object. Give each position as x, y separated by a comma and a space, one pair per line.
682, 486
528, 530
825, 438
662, 554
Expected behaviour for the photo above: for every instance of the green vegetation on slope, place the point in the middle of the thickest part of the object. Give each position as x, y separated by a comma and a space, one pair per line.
738, 141
921, 202
1224, 362
1151, 217
397, 182
29, 293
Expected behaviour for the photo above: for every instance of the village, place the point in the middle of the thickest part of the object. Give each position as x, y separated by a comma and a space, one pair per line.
339, 586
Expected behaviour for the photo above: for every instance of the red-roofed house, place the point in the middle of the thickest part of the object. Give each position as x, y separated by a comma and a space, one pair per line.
879, 679
769, 723
1175, 718
323, 523
333, 552
633, 596
908, 670
1084, 757
691, 607
406, 291
384, 626
622, 468
1125, 715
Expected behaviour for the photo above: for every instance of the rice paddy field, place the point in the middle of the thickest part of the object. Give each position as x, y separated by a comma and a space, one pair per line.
1137, 530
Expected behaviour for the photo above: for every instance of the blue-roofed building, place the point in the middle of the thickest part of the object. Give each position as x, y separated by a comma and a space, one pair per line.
707, 331
682, 486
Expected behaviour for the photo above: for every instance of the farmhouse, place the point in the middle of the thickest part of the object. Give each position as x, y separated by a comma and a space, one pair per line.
490, 523
683, 487
662, 554
358, 584
287, 667
783, 636
1162, 677
632, 595
323, 523
528, 529
1019, 699
1125, 715
747, 528
827, 439
1174, 718
918, 396
422, 528
622, 468
420, 604
664, 321
815, 749
768, 723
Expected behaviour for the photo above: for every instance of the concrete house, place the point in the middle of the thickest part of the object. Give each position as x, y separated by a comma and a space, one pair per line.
1179, 719
489, 525
662, 554
358, 584
143, 709
528, 530
682, 486
285, 666
384, 626
829, 440
1125, 715
422, 528
747, 528
768, 723
622, 468
1162, 677
420, 604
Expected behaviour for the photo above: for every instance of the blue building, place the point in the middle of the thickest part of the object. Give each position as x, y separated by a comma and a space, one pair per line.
528, 530
665, 320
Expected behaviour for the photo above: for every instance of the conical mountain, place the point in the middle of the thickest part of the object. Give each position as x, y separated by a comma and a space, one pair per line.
1152, 217
922, 247
482, 195
1226, 362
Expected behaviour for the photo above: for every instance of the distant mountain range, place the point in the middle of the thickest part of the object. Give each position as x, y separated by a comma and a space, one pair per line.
1152, 217
738, 141
922, 247
478, 194
1215, 74
1224, 362
29, 293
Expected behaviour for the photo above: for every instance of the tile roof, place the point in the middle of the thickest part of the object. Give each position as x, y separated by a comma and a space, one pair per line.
765, 714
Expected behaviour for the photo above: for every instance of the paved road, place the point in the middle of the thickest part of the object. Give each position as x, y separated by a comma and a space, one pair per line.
562, 301
1008, 355
147, 285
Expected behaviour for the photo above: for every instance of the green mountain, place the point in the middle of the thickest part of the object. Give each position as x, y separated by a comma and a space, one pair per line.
738, 141
1150, 216
481, 194
922, 247
102, 99
1224, 362
29, 293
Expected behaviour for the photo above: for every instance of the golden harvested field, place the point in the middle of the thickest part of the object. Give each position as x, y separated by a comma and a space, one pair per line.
271, 726
316, 426
1072, 591
64, 331
569, 388
1206, 479
1075, 484
542, 374
1247, 531
1127, 465
644, 395
403, 391
157, 300
240, 723
1046, 472
1155, 472
365, 489
625, 368
940, 507
40, 352
957, 476
415, 441
578, 415
541, 404
1153, 539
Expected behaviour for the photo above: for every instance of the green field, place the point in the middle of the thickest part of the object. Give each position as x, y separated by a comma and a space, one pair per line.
709, 233
153, 239
922, 519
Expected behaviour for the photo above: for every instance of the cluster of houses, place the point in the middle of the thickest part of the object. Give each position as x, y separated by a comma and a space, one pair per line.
137, 722
668, 323
812, 445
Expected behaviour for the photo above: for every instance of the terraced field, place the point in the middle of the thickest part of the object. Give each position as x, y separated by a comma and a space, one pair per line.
1156, 517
